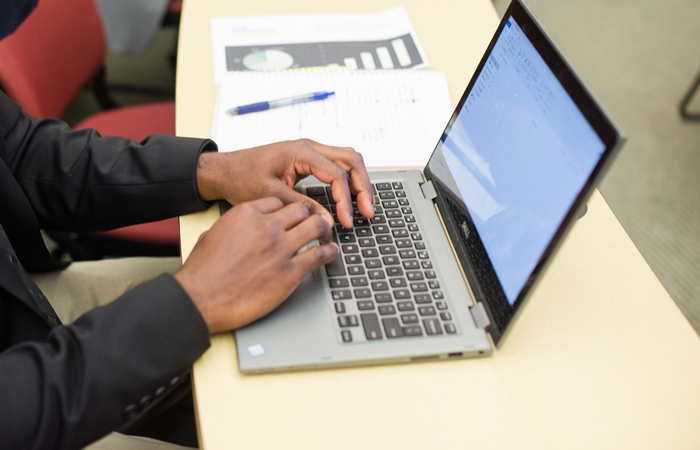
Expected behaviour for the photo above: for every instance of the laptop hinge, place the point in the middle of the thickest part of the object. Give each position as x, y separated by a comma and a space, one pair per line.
428, 190
481, 318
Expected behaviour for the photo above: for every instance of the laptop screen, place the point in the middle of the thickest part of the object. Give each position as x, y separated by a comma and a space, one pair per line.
516, 156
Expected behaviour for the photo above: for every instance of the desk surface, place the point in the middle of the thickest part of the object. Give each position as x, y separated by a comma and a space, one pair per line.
601, 357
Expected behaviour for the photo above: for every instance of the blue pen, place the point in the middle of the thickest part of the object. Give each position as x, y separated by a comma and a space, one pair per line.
262, 106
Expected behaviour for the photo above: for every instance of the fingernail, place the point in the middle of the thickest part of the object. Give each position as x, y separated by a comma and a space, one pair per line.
328, 219
337, 248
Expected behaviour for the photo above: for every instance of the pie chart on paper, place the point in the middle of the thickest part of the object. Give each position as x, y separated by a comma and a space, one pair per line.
265, 60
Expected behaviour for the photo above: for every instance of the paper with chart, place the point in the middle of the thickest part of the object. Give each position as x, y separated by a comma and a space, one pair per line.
394, 118
384, 40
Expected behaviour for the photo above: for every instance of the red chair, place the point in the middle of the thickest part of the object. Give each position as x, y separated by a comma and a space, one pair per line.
53, 55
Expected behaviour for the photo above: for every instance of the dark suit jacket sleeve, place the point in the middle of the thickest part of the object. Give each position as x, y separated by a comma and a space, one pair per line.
81, 181
89, 378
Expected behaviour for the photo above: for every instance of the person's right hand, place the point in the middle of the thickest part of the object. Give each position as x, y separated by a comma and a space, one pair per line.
247, 264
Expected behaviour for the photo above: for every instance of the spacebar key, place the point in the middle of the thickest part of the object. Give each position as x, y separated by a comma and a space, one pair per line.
335, 268
371, 325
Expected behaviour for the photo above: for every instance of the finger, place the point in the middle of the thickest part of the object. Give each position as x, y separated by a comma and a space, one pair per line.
314, 257
314, 227
265, 205
353, 164
289, 195
291, 215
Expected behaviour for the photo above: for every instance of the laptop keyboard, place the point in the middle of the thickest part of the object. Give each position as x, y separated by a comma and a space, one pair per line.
383, 283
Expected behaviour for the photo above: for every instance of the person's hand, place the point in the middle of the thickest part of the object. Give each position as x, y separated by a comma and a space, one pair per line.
247, 263
273, 170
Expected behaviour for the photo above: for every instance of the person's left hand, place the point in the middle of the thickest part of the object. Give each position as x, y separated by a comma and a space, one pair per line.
273, 170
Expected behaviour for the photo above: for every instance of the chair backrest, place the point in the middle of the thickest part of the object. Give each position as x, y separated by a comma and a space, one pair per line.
52, 56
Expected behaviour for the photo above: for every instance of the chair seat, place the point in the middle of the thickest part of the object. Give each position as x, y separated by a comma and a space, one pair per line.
135, 122
138, 122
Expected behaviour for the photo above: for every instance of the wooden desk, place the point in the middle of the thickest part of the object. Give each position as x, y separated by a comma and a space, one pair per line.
600, 358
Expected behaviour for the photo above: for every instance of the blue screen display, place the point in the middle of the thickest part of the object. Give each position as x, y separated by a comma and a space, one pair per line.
519, 153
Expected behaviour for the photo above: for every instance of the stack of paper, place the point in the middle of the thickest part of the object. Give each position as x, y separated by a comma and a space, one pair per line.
394, 118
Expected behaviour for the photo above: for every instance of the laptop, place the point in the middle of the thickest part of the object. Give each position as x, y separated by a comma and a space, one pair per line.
453, 251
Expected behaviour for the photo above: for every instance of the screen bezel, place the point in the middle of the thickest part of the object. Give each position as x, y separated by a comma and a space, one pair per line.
501, 313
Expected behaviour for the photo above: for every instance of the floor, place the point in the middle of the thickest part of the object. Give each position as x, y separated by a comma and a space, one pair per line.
639, 57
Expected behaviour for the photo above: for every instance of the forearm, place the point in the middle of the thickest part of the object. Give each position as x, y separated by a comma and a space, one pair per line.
75, 387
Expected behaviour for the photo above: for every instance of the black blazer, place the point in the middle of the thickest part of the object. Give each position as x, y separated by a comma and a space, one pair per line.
66, 386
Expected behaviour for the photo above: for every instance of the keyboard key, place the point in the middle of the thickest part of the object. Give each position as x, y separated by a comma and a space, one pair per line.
382, 298
393, 213
450, 328
426, 264
407, 254
416, 236
429, 274
386, 310
353, 259
398, 282
380, 286
412, 331
387, 249
406, 210
397, 185
445, 316
390, 204
350, 248
365, 305
409, 265
401, 294
335, 268
338, 283
392, 328
362, 293
373, 263
359, 281
383, 186
441, 305
394, 271
370, 252
376, 274
419, 286
356, 270
409, 318
400, 194
403, 202
345, 294
415, 275
423, 254
363, 232
367, 242
346, 238
384, 239
432, 326
378, 209
403, 243
380, 229
423, 298
412, 227
434, 284
396, 223
390, 261
409, 219
377, 220
346, 335
340, 308
347, 321
370, 323
400, 233
420, 245
316, 191
360, 222
387, 195
405, 306
426, 310
437, 295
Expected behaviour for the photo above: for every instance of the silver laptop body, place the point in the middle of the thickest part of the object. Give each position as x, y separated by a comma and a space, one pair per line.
454, 250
